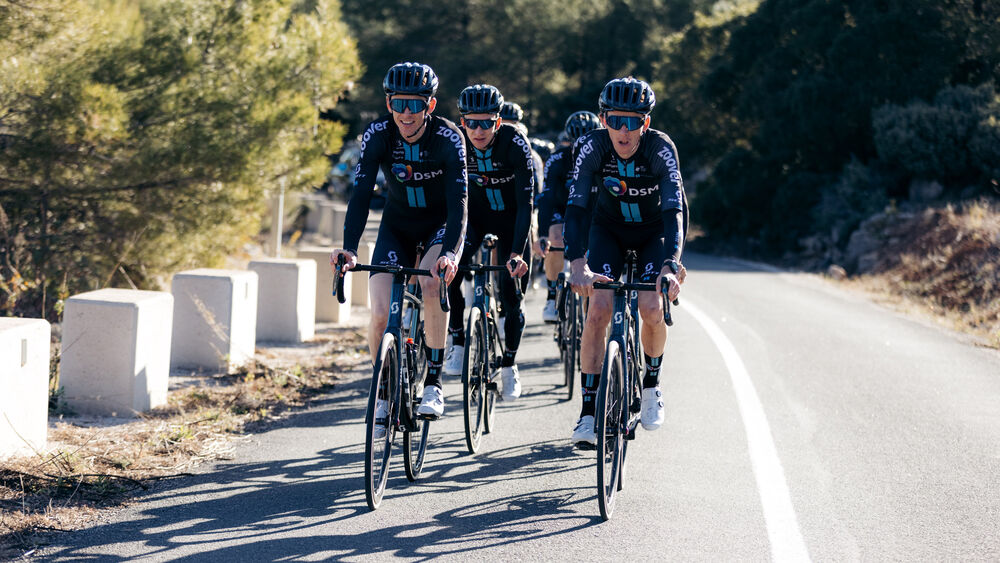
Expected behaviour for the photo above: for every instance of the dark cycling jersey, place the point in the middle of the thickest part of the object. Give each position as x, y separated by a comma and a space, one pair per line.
425, 181
501, 180
552, 201
644, 189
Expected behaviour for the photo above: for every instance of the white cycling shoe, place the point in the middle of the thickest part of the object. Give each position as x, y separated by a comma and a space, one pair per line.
381, 414
584, 431
652, 408
549, 313
511, 383
454, 360
432, 404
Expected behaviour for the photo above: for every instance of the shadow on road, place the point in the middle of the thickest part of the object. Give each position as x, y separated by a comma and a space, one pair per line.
289, 509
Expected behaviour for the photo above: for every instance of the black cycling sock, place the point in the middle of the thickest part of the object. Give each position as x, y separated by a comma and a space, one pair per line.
435, 357
457, 336
652, 377
588, 386
552, 289
508, 358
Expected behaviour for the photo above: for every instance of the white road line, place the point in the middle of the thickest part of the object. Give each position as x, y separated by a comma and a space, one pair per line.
779, 514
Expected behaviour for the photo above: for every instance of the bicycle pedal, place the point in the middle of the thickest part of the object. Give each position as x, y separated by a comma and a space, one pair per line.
586, 446
428, 417
630, 435
492, 386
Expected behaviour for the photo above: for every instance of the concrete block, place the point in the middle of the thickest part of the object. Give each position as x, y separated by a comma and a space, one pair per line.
328, 309
326, 210
286, 299
215, 318
338, 214
116, 351
359, 280
24, 385
312, 202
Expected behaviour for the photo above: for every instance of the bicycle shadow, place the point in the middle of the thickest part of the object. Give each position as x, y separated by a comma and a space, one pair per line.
262, 510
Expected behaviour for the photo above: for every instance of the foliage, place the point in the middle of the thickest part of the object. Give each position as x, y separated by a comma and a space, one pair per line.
955, 139
141, 136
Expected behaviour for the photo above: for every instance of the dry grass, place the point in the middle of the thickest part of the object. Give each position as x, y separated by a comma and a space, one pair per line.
98, 463
944, 263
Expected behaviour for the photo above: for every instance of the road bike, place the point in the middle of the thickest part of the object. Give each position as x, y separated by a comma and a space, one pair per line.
619, 395
568, 328
484, 348
397, 382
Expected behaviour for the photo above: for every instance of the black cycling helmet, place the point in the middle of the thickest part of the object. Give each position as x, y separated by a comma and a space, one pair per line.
410, 78
581, 122
480, 98
511, 112
627, 94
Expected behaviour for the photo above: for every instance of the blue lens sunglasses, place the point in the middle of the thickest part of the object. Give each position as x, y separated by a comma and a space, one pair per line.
399, 105
479, 123
630, 122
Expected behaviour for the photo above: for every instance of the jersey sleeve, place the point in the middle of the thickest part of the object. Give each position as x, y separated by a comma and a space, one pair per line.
374, 145
521, 156
456, 182
673, 201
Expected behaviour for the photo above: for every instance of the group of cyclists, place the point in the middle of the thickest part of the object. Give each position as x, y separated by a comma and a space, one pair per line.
614, 186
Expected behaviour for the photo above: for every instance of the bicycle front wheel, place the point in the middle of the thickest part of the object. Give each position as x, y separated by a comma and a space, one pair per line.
474, 380
380, 428
610, 411
571, 334
415, 446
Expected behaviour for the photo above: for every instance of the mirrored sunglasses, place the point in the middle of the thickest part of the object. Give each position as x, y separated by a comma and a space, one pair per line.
631, 122
479, 123
399, 105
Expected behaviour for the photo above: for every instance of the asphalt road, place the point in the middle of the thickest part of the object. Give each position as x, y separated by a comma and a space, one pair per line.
803, 422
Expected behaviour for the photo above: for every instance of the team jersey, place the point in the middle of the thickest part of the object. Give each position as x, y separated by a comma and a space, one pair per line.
426, 183
501, 184
558, 169
641, 190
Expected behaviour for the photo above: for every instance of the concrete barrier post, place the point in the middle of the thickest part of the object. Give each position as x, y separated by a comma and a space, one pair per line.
215, 318
359, 280
116, 351
328, 308
24, 385
286, 299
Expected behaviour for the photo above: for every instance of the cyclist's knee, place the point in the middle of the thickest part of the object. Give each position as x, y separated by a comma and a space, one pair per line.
429, 285
651, 313
599, 313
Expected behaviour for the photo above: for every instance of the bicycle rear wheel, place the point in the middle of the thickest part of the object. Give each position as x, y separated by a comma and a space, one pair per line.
380, 428
474, 381
610, 411
417, 429
491, 375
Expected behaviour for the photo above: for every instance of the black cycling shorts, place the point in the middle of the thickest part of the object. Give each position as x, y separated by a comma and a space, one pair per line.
558, 215
398, 246
608, 244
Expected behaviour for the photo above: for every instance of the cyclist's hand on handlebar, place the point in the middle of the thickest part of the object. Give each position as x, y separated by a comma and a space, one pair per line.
582, 278
682, 273
351, 260
674, 287
448, 265
516, 265
541, 247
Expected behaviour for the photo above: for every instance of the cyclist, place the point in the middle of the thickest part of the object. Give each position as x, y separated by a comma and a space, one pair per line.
501, 180
512, 114
552, 205
423, 158
629, 175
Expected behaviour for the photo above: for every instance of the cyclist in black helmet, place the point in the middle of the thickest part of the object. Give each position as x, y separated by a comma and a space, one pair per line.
629, 175
423, 159
552, 205
511, 113
501, 181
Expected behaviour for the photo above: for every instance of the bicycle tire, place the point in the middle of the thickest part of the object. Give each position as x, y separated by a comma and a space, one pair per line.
609, 419
416, 429
378, 448
493, 350
474, 381
572, 344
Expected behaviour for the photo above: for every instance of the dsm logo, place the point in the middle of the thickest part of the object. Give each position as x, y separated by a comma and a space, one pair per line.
616, 186
478, 181
402, 172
